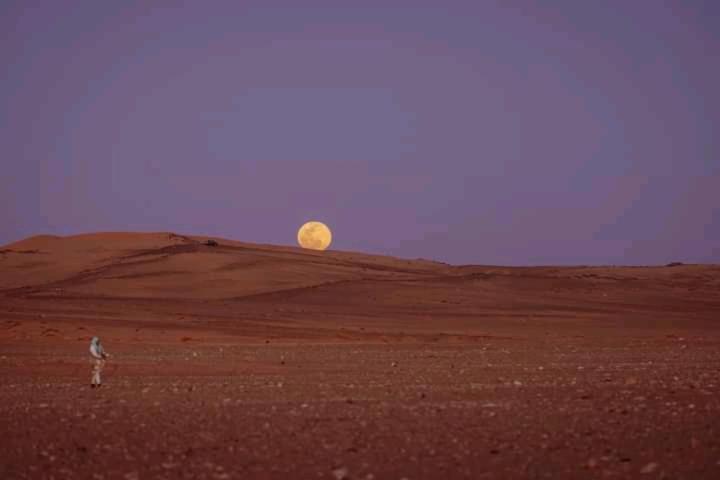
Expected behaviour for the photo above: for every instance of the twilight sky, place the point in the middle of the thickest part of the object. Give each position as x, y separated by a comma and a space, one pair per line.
494, 132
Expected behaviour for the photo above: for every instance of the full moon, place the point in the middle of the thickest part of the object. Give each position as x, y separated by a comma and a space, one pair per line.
315, 236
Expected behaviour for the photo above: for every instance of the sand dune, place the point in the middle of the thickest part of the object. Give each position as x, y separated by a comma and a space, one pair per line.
235, 283
167, 265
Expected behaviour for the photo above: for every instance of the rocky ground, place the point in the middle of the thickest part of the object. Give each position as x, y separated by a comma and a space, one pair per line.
494, 408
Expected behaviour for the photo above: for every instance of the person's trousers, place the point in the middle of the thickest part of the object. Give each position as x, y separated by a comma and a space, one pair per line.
98, 364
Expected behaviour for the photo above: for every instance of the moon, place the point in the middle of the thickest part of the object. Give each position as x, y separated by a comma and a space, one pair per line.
315, 236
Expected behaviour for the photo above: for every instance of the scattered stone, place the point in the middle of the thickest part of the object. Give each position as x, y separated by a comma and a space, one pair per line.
649, 468
340, 473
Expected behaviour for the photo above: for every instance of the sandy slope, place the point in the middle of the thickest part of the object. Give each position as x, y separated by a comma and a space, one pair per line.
166, 266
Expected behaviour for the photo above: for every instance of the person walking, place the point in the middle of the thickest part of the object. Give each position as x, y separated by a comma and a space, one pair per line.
98, 354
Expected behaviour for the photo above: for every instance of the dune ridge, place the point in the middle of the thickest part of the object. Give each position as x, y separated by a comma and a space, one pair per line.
234, 283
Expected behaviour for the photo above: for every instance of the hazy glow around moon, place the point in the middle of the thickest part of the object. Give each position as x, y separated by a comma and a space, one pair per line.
315, 236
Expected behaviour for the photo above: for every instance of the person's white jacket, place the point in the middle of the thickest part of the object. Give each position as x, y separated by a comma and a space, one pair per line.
96, 349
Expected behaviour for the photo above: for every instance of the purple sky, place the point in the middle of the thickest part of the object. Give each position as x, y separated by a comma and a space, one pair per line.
553, 132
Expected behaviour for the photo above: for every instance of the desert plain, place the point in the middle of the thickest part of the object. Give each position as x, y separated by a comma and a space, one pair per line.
248, 361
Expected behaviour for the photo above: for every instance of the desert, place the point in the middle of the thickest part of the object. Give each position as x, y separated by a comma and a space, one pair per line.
239, 360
